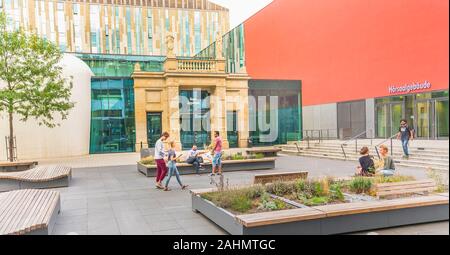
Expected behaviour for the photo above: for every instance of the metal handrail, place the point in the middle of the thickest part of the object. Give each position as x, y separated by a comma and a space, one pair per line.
351, 139
387, 139
322, 134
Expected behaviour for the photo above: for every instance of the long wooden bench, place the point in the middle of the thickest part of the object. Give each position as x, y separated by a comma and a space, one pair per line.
17, 166
42, 177
404, 188
267, 151
274, 177
29, 211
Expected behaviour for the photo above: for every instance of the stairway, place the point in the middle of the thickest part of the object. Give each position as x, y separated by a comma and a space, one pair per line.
423, 154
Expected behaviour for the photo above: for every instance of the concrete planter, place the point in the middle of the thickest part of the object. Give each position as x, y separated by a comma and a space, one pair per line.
328, 219
227, 166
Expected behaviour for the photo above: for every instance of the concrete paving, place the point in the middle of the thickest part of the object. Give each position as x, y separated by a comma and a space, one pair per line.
115, 200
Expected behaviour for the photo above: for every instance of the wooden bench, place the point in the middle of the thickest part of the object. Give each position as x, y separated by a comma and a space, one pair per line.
28, 211
403, 188
17, 166
267, 151
274, 177
42, 177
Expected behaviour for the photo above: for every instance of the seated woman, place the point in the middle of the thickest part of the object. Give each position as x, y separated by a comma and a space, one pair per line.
366, 166
388, 168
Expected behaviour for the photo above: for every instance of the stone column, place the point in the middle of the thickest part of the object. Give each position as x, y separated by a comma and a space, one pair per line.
173, 96
140, 115
219, 113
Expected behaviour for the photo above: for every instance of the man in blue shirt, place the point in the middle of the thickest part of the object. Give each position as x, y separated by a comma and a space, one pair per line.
405, 134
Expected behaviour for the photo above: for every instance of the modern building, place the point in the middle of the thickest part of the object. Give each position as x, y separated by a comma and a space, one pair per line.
130, 27
335, 68
363, 64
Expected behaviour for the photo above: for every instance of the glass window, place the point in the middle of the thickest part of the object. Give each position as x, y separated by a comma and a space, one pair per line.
77, 28
287, 124
112, 116
128, 21
61, 27
95, 28
197, 32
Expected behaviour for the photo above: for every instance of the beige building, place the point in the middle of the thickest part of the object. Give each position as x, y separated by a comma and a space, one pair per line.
132, 27
162, 94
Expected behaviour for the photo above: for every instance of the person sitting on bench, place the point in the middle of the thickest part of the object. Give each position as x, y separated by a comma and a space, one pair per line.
388, 168
195, 159
366, 166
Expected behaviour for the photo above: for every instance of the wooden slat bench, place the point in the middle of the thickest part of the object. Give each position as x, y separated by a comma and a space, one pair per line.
274, 177
42, 177
17, 166
403, 188
267, 151
28, 212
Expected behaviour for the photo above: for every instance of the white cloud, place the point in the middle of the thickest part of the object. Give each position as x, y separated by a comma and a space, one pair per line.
240, 10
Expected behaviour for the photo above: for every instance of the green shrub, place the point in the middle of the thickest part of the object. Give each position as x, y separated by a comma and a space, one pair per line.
148, 161
394, 178
318, 189
280, 205
316, 201
360, 185
259, 155
235, 199
241, 203
237, 156
336, 192
281, 188
301, 185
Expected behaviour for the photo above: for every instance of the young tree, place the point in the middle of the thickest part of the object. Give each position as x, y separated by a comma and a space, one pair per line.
33, 83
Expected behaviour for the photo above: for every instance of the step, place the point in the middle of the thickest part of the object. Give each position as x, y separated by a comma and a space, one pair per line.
412, 149
418, 155
397, 151
444, 169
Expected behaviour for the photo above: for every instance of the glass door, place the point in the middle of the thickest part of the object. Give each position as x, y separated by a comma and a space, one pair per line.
423, 118
381, 121
232, 129
396, 115
442, 113
154, 129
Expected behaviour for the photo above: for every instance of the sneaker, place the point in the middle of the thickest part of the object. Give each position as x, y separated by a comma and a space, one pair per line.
184, 187
212, 174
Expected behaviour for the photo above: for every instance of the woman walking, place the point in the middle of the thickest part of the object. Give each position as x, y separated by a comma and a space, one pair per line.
172, 162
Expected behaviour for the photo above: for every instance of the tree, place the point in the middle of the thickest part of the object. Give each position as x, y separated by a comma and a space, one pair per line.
34, 86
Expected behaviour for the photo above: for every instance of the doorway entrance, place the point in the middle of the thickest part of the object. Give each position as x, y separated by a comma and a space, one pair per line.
432, 118
195, 118
388, 119
232, 129
154, 129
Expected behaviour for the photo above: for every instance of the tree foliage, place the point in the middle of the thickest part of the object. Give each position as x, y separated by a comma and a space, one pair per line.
34, 84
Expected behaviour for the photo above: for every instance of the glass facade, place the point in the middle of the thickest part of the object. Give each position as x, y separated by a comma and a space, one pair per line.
233, 50
120, 27
195, 119
427, 113
287, 123
112, 116
105, 65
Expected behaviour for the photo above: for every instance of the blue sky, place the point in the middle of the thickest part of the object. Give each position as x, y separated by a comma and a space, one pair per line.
240, 10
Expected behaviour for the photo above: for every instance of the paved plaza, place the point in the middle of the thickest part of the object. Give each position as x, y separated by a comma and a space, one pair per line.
118, 200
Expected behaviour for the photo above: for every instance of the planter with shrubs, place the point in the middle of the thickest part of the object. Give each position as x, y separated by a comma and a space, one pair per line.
233, 162
320, 206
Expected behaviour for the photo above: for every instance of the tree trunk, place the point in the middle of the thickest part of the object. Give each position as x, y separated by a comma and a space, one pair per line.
11, 138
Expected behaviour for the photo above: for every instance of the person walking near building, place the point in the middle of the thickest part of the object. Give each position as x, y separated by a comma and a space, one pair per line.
217, 158
161, 168
173, 170
388, 168
405, 134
